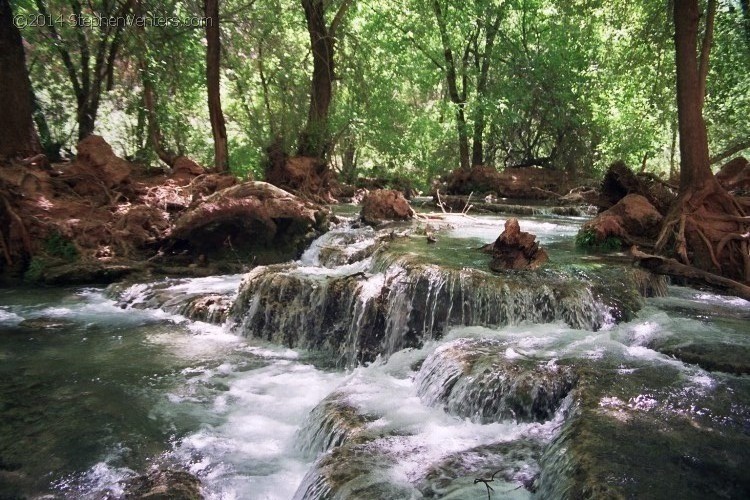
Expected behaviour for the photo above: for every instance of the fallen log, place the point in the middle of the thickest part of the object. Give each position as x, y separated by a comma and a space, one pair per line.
671, 267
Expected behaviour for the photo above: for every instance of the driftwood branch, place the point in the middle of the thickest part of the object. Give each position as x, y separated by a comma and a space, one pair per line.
671, 267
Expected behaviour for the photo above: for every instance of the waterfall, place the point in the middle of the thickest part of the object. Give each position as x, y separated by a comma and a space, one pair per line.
382, 304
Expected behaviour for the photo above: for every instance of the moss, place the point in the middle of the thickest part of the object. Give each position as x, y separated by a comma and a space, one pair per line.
587, 239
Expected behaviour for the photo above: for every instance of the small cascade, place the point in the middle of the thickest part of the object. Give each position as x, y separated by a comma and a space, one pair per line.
359, 311
488, 380
341, 246
197, 299
331, 423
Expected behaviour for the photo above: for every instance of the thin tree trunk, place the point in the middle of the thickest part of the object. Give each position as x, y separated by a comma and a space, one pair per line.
213, 77
315, 135
451, 80
315, 138
694, 165
477, 150
673, 152
50, 149
18, 136
154, 129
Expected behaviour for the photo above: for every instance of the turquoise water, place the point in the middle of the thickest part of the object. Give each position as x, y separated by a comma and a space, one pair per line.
92, 394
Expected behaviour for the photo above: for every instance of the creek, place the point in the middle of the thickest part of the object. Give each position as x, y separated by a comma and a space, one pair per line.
381, 366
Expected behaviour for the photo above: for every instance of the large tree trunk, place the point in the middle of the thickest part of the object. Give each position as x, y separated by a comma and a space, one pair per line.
314, 139
18, 137
213, 66
705, 227
694, 169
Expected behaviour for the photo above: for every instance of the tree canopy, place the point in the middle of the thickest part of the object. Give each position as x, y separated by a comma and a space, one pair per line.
411, 89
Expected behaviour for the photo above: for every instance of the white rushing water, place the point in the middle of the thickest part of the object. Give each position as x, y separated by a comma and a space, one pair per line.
244, 416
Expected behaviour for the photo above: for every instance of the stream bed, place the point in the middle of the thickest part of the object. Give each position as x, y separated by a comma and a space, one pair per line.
381, 367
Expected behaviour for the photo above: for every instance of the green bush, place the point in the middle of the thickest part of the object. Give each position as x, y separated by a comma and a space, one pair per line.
35, 271
57, 245
587, 240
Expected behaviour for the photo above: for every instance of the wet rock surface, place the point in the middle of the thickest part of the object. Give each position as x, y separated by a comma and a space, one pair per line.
490, 381
640, 431
332, 423
201, 299
164, 484
460, 474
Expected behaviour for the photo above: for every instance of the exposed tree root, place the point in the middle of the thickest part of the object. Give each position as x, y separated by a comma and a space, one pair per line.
709, 230
671, 267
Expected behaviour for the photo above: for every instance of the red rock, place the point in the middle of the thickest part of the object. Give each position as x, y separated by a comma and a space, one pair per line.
385, 204
515, 249
632, 218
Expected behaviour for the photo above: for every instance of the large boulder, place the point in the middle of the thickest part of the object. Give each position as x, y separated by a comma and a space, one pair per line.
632, 219
515, 249
383, 205
250, 221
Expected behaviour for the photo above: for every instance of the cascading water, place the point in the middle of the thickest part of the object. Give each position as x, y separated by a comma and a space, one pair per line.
462, 384
393, 300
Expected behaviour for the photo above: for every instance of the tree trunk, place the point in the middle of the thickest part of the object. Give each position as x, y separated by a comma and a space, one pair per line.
705, 227
155, 135
314, 138
477, 149
213, 77
18, 137
695, 169
459, 99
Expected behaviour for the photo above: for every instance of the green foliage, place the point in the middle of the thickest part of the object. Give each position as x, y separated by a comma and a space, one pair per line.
57, 245
579, 83
587, 240
35, 272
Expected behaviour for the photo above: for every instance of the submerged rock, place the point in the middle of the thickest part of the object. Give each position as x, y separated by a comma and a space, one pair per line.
515, 249
459, 475
642, 430
164, 484
353, 472
383, 205
488, 381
